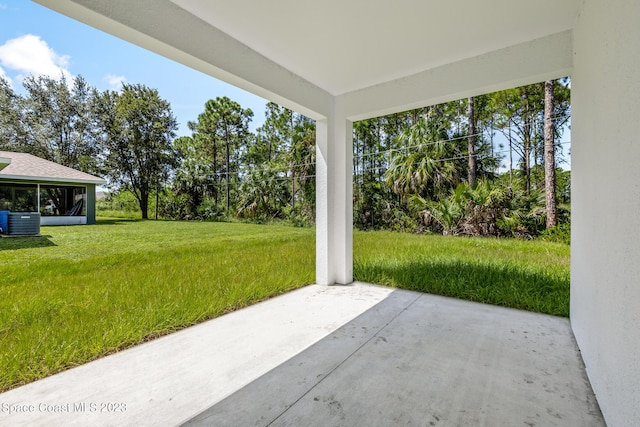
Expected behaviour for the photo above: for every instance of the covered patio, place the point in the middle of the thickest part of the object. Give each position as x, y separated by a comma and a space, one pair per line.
323, 60
340, 356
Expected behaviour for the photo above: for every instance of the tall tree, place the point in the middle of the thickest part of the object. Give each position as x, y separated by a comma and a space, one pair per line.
471, 135
302, 158
516, 113
139, 128
277, 130
12, 129
58, 117
273, 146
193, 179
224, 123
549, 156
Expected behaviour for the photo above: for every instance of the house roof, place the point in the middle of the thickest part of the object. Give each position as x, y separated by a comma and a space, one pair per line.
26, 167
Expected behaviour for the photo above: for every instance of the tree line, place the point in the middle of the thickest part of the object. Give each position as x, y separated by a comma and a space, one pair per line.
438, 168
124, 135
433, 169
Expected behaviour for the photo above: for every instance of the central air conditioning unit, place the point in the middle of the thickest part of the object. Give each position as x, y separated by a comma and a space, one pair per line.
4, 222
23, 224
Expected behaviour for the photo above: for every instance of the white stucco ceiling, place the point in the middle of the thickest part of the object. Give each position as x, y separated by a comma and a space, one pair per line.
368, 57
345, 45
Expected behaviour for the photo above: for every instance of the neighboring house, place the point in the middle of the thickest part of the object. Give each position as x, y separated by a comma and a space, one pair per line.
62, 195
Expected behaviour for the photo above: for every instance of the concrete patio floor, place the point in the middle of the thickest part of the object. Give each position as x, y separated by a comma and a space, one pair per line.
331, 356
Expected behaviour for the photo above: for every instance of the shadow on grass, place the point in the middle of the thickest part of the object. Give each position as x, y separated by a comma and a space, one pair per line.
505, 285
116, 221
25, 242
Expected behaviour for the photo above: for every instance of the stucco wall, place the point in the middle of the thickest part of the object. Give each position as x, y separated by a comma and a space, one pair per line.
605, 248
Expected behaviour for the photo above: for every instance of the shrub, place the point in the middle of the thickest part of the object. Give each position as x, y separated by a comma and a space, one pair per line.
561, 233
121, 200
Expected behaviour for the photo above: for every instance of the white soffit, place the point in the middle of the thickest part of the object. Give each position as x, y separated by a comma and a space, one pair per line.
364, 56
346, 45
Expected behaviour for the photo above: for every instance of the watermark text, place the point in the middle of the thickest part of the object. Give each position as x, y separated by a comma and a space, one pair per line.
57, 408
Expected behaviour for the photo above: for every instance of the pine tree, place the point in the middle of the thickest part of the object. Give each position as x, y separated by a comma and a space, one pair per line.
549, 156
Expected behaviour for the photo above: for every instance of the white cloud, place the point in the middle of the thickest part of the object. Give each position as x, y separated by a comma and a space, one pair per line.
30, 55
115, 82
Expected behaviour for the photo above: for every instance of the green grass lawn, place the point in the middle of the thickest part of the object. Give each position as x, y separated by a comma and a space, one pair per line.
82, 292
528, 275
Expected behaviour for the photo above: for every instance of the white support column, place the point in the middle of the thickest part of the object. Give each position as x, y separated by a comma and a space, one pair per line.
334, 201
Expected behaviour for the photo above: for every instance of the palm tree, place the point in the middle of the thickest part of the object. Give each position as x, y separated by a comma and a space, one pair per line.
447, 213
426, 166
263, 193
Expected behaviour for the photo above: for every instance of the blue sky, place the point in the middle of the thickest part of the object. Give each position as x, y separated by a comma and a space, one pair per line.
37, 40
